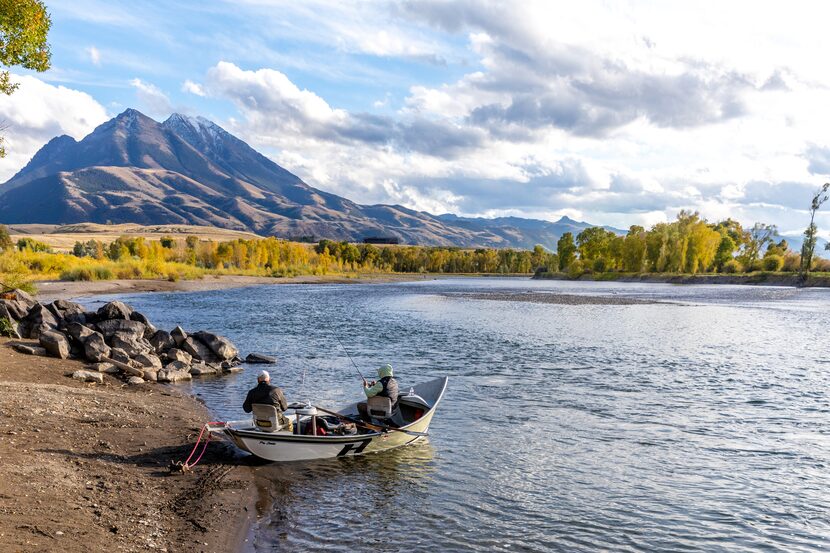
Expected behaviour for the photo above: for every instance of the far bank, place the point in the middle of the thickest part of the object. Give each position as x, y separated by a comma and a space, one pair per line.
757, 279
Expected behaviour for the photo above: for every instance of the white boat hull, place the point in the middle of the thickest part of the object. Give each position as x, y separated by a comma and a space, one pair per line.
284, 446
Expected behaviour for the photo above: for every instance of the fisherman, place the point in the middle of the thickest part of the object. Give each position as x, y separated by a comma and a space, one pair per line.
265, 393
387, 386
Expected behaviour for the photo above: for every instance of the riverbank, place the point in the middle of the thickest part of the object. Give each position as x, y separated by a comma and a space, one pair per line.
86, 466
50, 290
758, 278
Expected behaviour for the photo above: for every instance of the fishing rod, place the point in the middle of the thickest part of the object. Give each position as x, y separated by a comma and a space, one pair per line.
350, 358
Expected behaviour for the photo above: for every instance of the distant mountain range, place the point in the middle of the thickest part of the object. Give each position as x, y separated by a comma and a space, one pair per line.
188, 170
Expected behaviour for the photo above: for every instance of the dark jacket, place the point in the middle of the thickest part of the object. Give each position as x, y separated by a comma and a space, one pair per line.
267, 394
390, 389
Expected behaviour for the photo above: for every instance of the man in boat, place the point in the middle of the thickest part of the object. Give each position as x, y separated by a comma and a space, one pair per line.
387, 386
265, 393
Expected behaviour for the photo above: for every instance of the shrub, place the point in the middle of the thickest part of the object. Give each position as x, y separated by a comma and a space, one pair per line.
7, 328
732, 266
576, 269
821, 265
773, 263
600, 266
86, 274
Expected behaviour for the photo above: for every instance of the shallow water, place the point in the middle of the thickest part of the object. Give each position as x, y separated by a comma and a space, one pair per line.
695, 426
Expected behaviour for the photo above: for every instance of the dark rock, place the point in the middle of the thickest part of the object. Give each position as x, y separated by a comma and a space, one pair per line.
38, 320
119, 355
150, 331
148, 361
16, 309
15, 327
198, 350
179, 336
95, 348
221, 346
78, 332
67, 311
260, 358
30, 349
176, 354
115, 310
109, 327
130, 344
54, 343
19, 296
162, 341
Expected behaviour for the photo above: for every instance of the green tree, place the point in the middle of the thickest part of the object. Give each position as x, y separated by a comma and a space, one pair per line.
756, 239
594, 243
5, 240
809, 246
634, 249
24, 25
566, 249
725, 250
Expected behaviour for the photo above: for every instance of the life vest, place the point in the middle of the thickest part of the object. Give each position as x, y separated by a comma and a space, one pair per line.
390, 389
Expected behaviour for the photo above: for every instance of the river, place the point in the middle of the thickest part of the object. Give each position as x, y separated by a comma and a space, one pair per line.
699, 424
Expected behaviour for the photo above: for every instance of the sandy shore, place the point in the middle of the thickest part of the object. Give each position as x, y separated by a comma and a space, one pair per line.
49, 290
85, 466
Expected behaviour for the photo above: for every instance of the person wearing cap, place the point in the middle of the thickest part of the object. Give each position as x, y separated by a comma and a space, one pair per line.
265, 393
386, 386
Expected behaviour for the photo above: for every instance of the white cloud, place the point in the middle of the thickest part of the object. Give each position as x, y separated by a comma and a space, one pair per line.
193, 88
94, 55
151, 98
37, 112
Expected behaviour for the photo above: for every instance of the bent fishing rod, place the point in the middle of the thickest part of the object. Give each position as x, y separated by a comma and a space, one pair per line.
350, 358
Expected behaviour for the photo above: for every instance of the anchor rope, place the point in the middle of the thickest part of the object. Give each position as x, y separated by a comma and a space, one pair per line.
187, 465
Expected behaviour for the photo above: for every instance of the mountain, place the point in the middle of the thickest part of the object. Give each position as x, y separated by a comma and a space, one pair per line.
188, 170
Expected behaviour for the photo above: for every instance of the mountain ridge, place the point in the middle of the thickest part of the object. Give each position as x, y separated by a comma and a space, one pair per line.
189, 170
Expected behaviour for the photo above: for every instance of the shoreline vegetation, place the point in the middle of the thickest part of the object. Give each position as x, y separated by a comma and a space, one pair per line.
759, 278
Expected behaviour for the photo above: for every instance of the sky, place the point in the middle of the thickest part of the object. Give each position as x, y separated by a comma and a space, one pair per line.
615, 113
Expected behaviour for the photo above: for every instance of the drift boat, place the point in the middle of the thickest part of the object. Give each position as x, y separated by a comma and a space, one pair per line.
302, 440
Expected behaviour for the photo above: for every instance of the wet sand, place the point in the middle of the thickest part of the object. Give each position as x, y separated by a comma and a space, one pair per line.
50, 290
85, 466
552, 298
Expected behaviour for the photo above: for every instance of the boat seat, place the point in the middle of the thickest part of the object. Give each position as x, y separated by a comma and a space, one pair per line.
379, 407
267, 417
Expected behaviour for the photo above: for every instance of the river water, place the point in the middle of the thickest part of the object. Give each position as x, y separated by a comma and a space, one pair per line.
697, 425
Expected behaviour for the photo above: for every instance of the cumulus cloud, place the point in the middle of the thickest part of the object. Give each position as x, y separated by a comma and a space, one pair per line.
37, 112
151, 98
818, 159
270, 102
193, 88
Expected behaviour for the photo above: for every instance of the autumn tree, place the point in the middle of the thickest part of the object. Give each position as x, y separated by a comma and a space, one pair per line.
809, 246
5, 240
758, 237
566, 249
24, 25
634, 249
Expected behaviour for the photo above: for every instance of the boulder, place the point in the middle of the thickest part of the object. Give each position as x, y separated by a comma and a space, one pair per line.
30, 349
148, 361
200, 369
198, 350
219, 345
115, 310
162, 341
126, 367
19, 295
120, 355
54, 343
151, 375
78, 332
38, 320
133, 380
88, 376
14, 330
103, 367
179, 336
168, 374
150, 330
67, 311
234, 369
111, 326
15, 308
176, 354
260, 358
95, 348
131, 345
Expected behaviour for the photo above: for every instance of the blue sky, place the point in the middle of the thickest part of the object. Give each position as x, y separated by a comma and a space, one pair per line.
617, 113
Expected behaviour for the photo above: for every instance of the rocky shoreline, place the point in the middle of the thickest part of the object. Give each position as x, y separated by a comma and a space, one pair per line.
116, 340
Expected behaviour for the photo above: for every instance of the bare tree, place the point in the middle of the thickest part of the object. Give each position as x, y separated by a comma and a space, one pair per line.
809, 246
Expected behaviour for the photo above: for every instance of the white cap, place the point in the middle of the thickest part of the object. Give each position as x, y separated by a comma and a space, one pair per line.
263, 375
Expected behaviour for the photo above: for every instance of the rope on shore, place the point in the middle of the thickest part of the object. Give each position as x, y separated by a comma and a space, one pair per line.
187, 465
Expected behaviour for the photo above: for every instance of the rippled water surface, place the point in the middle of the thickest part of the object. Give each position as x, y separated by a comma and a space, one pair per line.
700, 425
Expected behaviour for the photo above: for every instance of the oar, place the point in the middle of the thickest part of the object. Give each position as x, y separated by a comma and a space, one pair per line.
371, 426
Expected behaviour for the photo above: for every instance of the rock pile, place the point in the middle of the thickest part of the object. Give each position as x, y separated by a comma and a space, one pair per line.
116, 340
